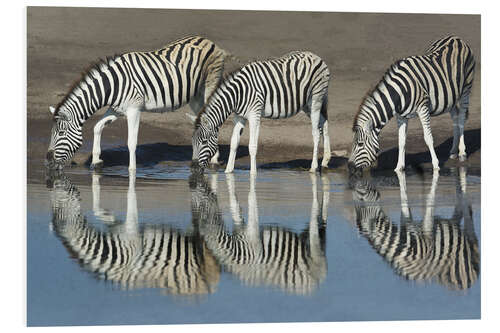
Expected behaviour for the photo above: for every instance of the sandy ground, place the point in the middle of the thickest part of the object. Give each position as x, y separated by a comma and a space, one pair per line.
357, 48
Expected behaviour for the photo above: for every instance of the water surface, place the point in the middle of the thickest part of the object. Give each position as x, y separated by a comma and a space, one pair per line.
165, 247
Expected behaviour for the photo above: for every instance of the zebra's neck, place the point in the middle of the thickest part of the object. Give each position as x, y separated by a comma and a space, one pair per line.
379, 105
96, 89
222, 103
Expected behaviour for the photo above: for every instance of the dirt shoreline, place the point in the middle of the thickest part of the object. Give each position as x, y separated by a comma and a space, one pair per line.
357, 48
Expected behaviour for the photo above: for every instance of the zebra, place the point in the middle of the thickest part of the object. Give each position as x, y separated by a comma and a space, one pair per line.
128, 253
269, 255
184, 72
425, 86
435, 249
277, 88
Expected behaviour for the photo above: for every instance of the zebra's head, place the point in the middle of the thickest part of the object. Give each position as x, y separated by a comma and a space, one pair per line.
365, 146
65, 139
205, 144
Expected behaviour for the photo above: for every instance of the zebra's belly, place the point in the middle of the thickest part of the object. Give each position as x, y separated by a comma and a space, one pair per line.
278, 113
158, 107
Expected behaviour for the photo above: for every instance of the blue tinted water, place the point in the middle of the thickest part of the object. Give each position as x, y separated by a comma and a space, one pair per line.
338, 276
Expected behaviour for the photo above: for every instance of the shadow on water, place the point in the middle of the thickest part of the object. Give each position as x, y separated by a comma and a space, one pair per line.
436, 248
154, 153
135, 254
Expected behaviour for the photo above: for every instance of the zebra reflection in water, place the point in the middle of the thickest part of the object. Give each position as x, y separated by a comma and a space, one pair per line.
132, 254
434, 249
268, 255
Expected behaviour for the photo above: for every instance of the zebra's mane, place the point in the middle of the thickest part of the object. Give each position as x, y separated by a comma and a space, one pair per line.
370, 91
225, 79
89, 72
367, 95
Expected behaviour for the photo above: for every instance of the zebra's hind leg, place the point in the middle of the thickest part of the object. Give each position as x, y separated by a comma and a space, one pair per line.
109, 117
315, 116
462, 117
456, 133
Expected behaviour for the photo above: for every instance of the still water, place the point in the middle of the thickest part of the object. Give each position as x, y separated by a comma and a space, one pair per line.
165, 247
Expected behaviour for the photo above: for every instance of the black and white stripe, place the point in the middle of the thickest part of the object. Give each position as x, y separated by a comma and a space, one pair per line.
267, 255
425, 86
435, 249
185, 71
275, 89
130, 254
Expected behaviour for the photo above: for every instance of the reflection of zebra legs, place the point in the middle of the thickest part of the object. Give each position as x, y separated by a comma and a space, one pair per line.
318, 220
428, 221
131, 224
102, 214
133, 255
271, 255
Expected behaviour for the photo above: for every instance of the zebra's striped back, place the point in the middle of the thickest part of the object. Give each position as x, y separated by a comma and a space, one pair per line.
447, 253
153, 256
282, 86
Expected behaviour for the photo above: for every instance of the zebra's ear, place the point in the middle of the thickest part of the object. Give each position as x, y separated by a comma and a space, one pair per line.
52, 109
204, 121
191, 117
63, 116
368, 126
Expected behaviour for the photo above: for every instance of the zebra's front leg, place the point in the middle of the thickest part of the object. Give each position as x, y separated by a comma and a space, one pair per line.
254, 139
402, 130
133, 118
424, 116
106, 120
235, 142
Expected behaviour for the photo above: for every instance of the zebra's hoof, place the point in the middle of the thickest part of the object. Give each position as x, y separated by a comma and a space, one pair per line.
97, 166
462, 158
313, 170
453, 156
228, 171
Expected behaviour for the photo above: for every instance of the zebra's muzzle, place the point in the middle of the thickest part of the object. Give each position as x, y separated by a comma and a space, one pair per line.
51, 163
196, 167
